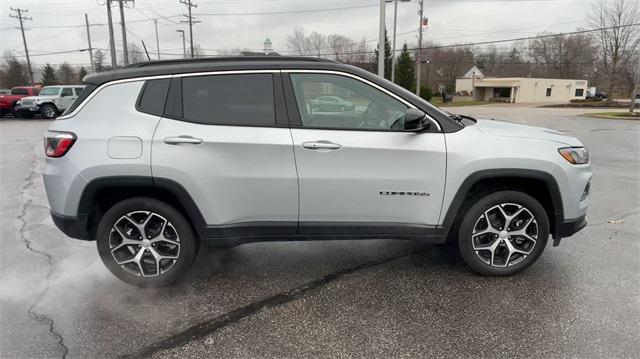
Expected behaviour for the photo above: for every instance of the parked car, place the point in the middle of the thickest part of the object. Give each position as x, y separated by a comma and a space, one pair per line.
8, 102
596, 95
50, 102
238, 158
331, 103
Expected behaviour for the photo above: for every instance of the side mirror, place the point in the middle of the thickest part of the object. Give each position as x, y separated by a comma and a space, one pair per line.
414, 120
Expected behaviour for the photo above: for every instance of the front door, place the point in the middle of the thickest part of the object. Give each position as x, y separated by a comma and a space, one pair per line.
355, 164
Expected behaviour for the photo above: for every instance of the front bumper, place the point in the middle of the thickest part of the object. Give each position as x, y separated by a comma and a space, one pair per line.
74, 227
28, 109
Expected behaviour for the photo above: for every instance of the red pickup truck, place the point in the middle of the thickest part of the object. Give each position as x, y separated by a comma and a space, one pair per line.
8, 102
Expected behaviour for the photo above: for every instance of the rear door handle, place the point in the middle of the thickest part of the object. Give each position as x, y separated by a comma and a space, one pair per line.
182, 139
321, 145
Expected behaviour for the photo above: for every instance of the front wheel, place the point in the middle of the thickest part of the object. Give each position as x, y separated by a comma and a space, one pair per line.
146, 242
49, 111
503, 233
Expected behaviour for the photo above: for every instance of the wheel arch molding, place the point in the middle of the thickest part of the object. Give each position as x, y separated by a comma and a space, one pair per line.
526, 180
102, 193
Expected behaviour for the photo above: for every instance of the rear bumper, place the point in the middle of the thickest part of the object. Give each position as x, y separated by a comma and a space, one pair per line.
569, 227
74, 227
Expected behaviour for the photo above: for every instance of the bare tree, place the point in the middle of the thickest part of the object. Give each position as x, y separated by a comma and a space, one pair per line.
343, 48
136, 53
66, 75
568, 57
618, 40
316, 42
298, 42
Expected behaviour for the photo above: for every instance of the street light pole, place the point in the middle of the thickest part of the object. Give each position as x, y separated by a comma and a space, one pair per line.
381, 31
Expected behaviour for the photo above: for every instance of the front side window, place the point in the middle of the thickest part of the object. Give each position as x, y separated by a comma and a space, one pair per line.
50, 91
334, 101
236, 100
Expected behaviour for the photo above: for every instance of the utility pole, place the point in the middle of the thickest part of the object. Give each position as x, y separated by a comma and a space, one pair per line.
419, 53
22, 18
190, 20
86, 20
124, 31
155, 22
393, 47
112, 43
184, 45
381, 31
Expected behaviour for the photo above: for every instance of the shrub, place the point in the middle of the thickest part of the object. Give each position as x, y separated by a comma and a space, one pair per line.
426, 93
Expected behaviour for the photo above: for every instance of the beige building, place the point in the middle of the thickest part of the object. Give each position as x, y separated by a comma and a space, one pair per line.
522, 89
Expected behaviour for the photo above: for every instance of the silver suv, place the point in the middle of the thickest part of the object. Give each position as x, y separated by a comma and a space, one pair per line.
50, 102
157, 158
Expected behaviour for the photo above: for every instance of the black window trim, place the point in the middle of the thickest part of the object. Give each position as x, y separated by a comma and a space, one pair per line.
294, 113
281, 119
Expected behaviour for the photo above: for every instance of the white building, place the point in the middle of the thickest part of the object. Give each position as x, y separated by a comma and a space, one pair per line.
521, 89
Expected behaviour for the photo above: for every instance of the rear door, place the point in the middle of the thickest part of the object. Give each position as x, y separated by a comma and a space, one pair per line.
225, 139
358, 171
67, 96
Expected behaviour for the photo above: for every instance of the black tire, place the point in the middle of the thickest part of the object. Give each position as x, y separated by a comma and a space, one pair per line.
15, 112
474, 214
49, 111
188, 242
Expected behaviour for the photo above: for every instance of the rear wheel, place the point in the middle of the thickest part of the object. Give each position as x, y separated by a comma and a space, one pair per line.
146, 242
503, 233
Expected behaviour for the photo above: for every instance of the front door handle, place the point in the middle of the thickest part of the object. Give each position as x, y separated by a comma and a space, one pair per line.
182, 139
321, 145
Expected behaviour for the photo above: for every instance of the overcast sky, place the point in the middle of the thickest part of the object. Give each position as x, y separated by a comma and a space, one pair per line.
58, 25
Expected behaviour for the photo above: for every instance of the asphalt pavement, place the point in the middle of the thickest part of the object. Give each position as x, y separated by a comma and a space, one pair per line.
372, 298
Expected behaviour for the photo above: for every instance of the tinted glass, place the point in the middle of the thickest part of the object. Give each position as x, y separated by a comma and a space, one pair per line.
19, 92
548, 92
66, 92
154, 96
77, 90
50, 91
333, 101
244, 99
579, 92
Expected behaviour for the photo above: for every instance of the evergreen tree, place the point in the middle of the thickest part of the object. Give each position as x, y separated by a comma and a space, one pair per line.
14, 71
514, 56
98, 61
48, 75
66, 74
387, 57
82, 73
406, 70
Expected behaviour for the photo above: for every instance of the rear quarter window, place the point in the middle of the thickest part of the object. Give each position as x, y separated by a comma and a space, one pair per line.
153, 96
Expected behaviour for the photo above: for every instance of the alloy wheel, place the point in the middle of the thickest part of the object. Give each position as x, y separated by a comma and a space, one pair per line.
144, 244
504, 235
49, 112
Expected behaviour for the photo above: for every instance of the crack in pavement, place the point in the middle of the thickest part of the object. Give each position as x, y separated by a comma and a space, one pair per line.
41, 318
211, 326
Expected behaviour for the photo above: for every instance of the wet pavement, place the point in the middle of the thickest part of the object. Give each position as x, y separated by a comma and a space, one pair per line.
377, 298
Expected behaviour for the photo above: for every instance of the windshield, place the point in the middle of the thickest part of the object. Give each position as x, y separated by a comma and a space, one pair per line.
50, 91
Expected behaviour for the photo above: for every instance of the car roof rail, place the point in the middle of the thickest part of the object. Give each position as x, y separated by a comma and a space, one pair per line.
228, 59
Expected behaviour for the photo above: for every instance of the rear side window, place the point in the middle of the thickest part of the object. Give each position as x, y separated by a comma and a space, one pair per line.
241, 100
78, 90
86, 91
66, 92
153, 96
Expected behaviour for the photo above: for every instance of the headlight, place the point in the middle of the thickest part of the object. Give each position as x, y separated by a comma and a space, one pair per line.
575, 155
18, 103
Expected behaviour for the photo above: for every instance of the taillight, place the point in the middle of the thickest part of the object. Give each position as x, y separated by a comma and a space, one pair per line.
57, 144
